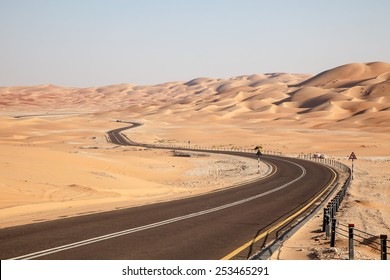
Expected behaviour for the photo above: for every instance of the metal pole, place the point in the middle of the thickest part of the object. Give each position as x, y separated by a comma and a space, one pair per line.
333, 208
324, 219
352, 170
337, 202
333, 234
327, 219
330, 211
350, 235
383, 247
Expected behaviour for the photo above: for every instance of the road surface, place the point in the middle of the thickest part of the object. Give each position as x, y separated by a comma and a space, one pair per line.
230, 224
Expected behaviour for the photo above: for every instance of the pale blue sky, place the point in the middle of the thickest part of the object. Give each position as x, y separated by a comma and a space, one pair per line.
94, 42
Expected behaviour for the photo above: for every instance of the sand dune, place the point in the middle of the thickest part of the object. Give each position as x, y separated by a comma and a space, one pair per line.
348, 75
335, 112
334, 95
352, 97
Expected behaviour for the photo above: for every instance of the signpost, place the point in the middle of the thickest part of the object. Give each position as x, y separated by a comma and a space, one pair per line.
258, 148
352, 157
258, 161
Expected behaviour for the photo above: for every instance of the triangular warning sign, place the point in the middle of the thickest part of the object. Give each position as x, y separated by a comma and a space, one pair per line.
352, 156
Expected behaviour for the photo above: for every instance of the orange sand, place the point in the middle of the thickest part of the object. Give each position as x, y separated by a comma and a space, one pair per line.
56, 162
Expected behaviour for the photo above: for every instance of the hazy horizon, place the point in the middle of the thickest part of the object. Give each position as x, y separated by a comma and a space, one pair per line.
95, 43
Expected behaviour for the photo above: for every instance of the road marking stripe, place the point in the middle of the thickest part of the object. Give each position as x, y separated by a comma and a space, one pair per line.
262, 235
154, 225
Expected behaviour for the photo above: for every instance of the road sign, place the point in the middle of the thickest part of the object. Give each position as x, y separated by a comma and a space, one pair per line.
352, 156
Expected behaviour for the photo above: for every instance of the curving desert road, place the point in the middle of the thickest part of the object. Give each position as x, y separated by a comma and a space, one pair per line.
232, 223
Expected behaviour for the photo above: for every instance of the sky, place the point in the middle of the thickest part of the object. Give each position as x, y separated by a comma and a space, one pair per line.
85, 43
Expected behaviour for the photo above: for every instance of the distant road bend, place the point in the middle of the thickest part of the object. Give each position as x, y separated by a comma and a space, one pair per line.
233, 223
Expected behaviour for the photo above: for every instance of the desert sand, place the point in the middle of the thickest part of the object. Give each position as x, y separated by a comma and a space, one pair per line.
55, 160
367, 206
51, 172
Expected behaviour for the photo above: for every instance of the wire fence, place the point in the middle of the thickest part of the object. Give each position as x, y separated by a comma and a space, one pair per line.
332, 228
354, 235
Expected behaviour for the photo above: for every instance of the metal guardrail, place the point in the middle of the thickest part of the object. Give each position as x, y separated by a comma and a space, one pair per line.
333, 207
327, 161
331, 227
199, 148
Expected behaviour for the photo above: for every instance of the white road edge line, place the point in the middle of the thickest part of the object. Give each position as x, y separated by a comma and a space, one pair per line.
154, 225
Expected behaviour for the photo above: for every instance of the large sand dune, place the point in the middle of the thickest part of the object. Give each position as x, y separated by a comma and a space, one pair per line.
354, 95
55, 160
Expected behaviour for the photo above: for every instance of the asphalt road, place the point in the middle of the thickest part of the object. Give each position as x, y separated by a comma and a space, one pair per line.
232, 223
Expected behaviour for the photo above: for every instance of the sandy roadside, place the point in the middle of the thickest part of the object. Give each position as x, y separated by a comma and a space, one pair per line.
58, 164
367, 206
62, 167
50, 172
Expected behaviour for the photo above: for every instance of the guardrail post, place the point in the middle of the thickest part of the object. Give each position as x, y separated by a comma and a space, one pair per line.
330, 210
324, 219
341, 195
350, 236
333, 234
333, 208
327, 220
383, 247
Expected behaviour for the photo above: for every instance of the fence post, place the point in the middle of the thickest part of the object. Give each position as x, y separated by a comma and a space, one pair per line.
333, 233
327, 220
324, 219
350, 235
383, 247
330, 210
341, 195
333, 205
333, 208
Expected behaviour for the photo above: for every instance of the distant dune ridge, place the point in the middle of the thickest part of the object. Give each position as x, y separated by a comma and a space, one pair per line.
56, 161
355, 95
